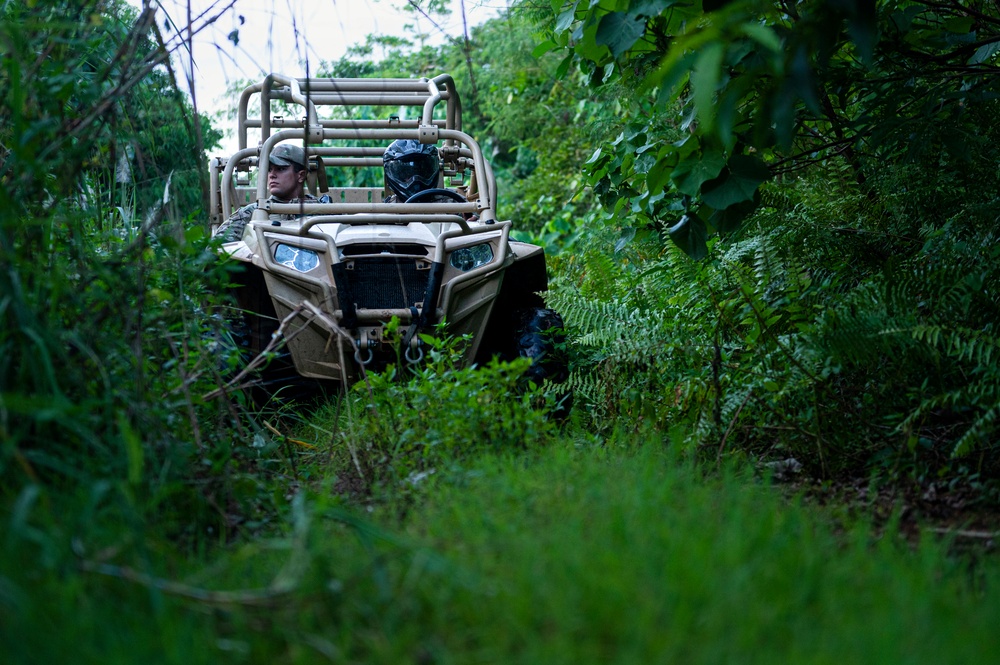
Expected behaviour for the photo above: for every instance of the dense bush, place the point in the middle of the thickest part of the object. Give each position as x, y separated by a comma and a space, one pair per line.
845, 221
794, 338
397, 428
107, 278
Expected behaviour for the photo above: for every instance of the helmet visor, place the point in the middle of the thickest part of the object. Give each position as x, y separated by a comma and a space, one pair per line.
405, 168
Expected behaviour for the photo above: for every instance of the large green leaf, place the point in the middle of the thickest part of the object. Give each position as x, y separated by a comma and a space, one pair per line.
704, 79
543, 48
691, 235
985, 53
658, 176
959, 24
565, 19
736, 184
564, 66
697, 168
619, 31
728, 220
763, 35
649, 8
588, 47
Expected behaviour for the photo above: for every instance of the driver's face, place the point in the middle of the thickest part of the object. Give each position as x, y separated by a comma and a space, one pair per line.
285, 182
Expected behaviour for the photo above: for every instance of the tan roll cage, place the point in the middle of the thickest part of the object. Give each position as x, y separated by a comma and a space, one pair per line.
325, 141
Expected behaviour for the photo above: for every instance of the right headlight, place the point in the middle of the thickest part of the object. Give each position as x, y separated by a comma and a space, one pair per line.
470, 258
296, 258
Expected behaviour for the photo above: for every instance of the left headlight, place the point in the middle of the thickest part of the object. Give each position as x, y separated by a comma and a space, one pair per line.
296, 258
469, 258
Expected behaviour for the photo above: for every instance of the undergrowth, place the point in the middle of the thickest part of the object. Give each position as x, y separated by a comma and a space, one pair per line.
397, 428
821, 331
586, 550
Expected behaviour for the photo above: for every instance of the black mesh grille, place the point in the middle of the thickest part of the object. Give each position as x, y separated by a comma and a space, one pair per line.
385, 283
360, 249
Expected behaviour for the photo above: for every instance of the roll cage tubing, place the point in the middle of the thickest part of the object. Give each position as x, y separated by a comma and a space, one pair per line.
349, 92
460, 149
485, 206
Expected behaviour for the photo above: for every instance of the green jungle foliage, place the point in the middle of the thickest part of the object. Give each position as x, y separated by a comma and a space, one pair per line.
585, 551
532, 125
839, 190
844, 154
392, 438
764, 89
107, 278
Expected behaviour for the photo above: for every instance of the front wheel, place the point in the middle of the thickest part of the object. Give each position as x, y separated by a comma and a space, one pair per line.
539, 334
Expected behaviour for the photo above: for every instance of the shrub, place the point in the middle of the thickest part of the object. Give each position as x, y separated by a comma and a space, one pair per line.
404, 425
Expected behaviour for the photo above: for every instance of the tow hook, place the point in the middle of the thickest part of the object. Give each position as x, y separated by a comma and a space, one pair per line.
364, 343
411, 340
416, 346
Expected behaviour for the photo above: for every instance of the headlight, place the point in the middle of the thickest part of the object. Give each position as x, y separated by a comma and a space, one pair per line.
296, 258
469, 258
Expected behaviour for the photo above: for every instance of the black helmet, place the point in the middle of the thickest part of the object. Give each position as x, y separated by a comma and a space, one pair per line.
410, 167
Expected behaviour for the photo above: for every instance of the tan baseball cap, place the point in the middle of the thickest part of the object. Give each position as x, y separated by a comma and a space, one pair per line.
284, 154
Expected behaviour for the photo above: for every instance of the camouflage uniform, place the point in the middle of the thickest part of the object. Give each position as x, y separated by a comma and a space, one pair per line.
283, 154
232, 229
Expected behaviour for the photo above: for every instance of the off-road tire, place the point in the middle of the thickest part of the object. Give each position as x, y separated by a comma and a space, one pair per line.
539, 332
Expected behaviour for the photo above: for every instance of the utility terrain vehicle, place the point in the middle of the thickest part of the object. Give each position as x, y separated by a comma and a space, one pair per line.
351, 278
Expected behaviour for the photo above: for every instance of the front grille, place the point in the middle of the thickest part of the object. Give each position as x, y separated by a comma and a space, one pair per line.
386, 283
361, 249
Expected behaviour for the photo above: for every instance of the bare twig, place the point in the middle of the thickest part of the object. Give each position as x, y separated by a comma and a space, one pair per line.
467, 50
111, 97
276, 339
274, 430
255, 597
193, 123
963, 533
336, 329
732, 423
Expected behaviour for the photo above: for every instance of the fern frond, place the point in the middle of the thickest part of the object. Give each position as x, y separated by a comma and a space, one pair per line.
957, 342
982, 395
984, 426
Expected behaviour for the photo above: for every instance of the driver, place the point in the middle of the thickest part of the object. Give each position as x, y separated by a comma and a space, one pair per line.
410, 167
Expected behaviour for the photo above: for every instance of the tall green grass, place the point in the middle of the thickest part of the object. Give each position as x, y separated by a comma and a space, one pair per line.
600, 557
577, 553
